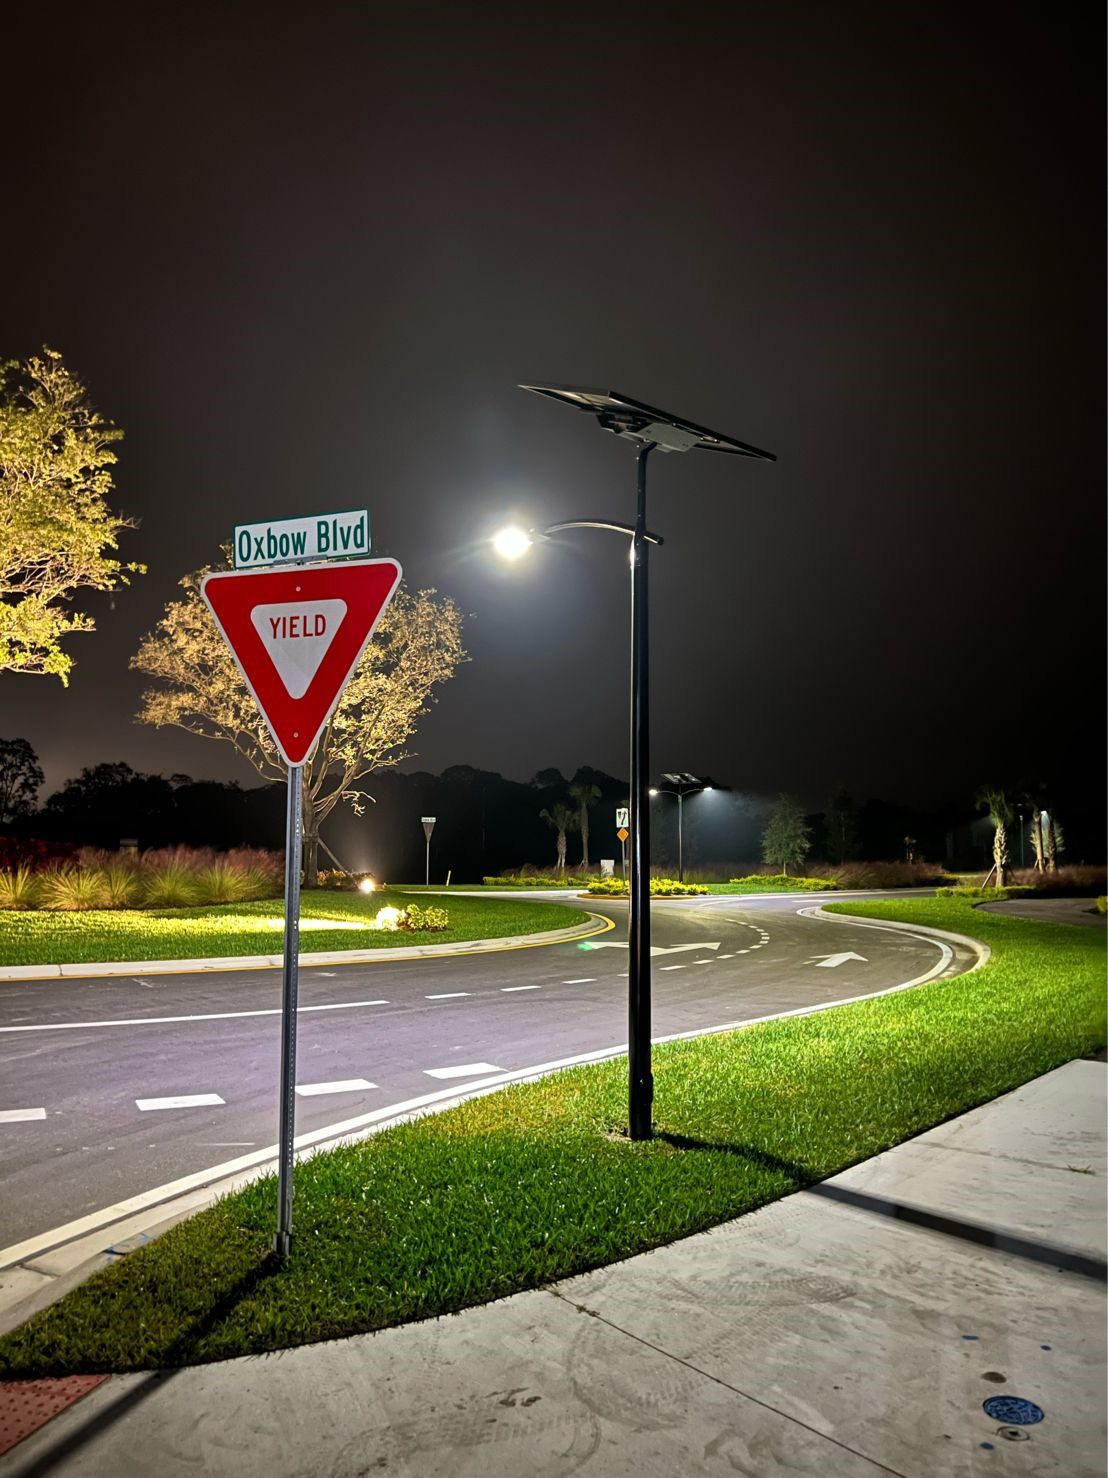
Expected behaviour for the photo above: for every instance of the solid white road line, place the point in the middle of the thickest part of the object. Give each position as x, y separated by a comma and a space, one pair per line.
343, 1085
80, 1026
21, 1116
462, 1070
507, 989
185, 1100
448, 995
585, 980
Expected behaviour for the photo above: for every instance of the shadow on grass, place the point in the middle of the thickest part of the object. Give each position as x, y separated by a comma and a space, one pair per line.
798, 1175
174, 1358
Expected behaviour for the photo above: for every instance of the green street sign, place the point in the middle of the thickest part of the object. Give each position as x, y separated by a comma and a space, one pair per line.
287, 540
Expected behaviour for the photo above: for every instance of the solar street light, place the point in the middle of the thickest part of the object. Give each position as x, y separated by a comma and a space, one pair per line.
649, 429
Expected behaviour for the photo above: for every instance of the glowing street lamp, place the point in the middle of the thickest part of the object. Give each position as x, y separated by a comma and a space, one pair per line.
681, 785
650, 429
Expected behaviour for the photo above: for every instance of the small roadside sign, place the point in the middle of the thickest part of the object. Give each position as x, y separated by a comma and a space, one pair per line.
623, 817
428, 825
319, 536
296, 636
623, 833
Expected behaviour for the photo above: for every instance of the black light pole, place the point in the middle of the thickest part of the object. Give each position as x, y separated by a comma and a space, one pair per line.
650, 429
640, 1079
685, 785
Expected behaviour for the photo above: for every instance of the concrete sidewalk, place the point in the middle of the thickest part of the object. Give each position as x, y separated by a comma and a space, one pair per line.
856, 1328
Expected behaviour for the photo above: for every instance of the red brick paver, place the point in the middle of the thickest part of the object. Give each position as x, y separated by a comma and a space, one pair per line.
26, 1405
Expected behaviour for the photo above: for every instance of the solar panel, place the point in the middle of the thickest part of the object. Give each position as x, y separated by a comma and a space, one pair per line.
644, 424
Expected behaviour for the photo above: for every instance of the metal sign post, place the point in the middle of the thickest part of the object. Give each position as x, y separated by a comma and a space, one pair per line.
428, 828
297, 635
282, 1242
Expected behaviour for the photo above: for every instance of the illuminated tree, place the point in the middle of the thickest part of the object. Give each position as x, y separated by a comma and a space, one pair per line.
20, 778
417, 646
786, 840
1001, 808
56, 529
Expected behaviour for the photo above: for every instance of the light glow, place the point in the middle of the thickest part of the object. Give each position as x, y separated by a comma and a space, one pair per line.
366, 885
511, 542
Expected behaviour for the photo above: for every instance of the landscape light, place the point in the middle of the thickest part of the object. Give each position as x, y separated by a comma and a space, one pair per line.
366, 885
511, 542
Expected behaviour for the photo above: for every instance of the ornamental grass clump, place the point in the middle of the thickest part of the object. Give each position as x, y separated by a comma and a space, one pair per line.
70, 889
19, 888
172, 885
224, 882
121, 884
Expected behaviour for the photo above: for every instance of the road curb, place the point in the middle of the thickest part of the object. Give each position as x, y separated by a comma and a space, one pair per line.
597, 924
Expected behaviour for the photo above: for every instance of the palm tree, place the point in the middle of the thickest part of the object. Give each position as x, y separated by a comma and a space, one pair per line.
585, 794
562, 819
996, 800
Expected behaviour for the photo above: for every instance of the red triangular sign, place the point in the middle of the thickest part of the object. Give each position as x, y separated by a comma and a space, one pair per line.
297, 635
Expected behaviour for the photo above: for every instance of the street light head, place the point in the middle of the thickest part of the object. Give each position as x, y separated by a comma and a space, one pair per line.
512, 542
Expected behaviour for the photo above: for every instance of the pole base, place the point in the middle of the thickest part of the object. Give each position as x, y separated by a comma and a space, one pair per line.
282, 1246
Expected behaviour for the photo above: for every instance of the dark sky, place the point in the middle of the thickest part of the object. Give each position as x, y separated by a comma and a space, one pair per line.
302, 255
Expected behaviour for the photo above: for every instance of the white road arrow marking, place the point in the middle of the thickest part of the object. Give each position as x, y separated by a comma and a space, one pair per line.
828, 962
656, 949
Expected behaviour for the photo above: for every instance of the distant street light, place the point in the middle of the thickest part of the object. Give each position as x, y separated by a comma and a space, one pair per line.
681, 785
648, 428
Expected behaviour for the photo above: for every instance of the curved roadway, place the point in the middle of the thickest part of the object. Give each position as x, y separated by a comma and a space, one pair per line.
92, 1072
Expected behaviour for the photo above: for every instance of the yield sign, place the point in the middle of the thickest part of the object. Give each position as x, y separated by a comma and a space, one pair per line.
297, 634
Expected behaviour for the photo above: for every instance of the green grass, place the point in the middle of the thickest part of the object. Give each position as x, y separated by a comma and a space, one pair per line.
328, 921
534, 1182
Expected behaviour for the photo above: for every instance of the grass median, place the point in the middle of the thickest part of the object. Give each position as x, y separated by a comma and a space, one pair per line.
535, 1181
328, 920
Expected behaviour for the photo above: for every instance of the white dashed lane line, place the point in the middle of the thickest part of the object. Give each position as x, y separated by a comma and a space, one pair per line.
187, 1100
673, 967
585, 980
462, 1070
449, 995
508, 989
21, 1116
344, 1085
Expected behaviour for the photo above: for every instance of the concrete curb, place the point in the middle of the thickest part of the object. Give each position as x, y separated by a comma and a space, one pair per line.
598, 925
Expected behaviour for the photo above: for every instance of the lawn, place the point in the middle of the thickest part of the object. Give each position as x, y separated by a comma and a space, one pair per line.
329, 920
536, 1181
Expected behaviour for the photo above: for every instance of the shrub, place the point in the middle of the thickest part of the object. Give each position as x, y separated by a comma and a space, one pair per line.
982, 895
171, 884
787, 880
882, 874
72, 888
417, 919
1076, 880
19, 888
1102, 905
659, 888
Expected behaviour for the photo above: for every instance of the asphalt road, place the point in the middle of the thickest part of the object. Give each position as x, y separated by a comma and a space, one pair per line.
86, 1065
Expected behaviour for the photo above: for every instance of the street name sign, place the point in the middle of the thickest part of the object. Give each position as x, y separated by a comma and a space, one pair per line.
320, 536
296, 636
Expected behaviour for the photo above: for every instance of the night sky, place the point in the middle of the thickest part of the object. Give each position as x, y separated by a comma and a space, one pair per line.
303, 254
